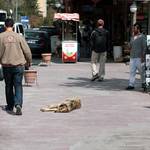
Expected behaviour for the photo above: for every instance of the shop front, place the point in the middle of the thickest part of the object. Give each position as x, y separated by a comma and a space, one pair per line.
116, 14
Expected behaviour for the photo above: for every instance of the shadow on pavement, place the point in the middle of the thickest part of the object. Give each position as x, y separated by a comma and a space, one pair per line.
108, 84
3, 107
147, 107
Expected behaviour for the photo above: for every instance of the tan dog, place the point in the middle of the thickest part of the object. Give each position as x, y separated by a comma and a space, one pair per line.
66, 106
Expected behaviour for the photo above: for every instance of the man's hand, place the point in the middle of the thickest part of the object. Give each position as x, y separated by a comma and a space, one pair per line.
27, 65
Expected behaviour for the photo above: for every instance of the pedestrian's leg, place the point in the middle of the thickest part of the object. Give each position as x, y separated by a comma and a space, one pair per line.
18, 76
8, 78
132, 72
94, 59
140, 67
102, 62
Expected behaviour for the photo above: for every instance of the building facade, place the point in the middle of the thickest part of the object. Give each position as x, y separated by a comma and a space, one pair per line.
42, 4
116, 13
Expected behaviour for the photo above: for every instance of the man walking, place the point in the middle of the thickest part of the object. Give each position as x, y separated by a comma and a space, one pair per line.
99, 45
14, 54
137, 53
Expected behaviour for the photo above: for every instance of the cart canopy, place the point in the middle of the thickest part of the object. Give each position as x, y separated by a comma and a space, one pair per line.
66, 16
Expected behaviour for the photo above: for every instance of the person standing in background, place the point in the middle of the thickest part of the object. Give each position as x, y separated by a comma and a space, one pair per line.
14, 55
137, 53
99, 47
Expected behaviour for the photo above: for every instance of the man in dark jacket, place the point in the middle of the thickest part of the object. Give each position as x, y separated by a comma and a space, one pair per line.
99, 46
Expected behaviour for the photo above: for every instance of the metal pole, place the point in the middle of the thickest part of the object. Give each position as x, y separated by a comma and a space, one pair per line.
66, 6
134, 18
63, 31
16, 10
76, 31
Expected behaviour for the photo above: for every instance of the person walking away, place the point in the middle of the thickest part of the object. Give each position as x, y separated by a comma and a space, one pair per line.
99, 47
14, 54
137, 54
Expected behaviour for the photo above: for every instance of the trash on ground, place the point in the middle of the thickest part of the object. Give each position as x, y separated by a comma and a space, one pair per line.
66, 106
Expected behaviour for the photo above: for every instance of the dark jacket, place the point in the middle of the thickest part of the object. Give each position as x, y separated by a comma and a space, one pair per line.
99, 40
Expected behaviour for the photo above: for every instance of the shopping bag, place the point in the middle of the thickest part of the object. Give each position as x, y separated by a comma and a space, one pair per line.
1, 73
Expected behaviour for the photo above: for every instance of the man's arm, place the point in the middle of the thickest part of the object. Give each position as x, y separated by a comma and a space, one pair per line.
144, 48
26, 51
1, 49
92, 39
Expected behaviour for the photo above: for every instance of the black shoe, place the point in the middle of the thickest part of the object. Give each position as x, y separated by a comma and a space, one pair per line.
100, 79
130, 87
6, 108
18, 110
95, 77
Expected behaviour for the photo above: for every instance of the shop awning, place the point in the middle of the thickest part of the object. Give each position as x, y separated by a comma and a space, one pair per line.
67, 16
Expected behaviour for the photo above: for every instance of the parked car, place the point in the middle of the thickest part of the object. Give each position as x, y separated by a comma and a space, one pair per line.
2, 28
50, 29
38, 41
19, 28
53, 34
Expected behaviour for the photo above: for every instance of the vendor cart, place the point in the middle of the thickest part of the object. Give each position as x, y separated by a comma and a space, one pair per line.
70, 22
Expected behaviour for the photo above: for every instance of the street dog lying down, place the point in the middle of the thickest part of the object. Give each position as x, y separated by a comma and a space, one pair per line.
63, 107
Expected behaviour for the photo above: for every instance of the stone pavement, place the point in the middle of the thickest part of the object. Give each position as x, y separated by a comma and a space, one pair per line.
110, 118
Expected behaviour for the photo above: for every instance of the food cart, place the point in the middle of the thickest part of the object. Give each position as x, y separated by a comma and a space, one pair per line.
69, 35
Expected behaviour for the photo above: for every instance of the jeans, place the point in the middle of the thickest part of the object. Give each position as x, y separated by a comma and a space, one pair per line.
13, 85
101, 58
135, 64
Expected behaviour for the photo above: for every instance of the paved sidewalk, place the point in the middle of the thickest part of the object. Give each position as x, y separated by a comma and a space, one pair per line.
110, 118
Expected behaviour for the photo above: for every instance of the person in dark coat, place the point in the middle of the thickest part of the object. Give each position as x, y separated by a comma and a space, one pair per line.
99, 46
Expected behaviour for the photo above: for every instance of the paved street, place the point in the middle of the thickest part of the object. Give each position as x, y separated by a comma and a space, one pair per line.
110, 118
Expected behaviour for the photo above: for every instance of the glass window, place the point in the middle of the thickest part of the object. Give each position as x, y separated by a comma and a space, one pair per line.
21, 29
